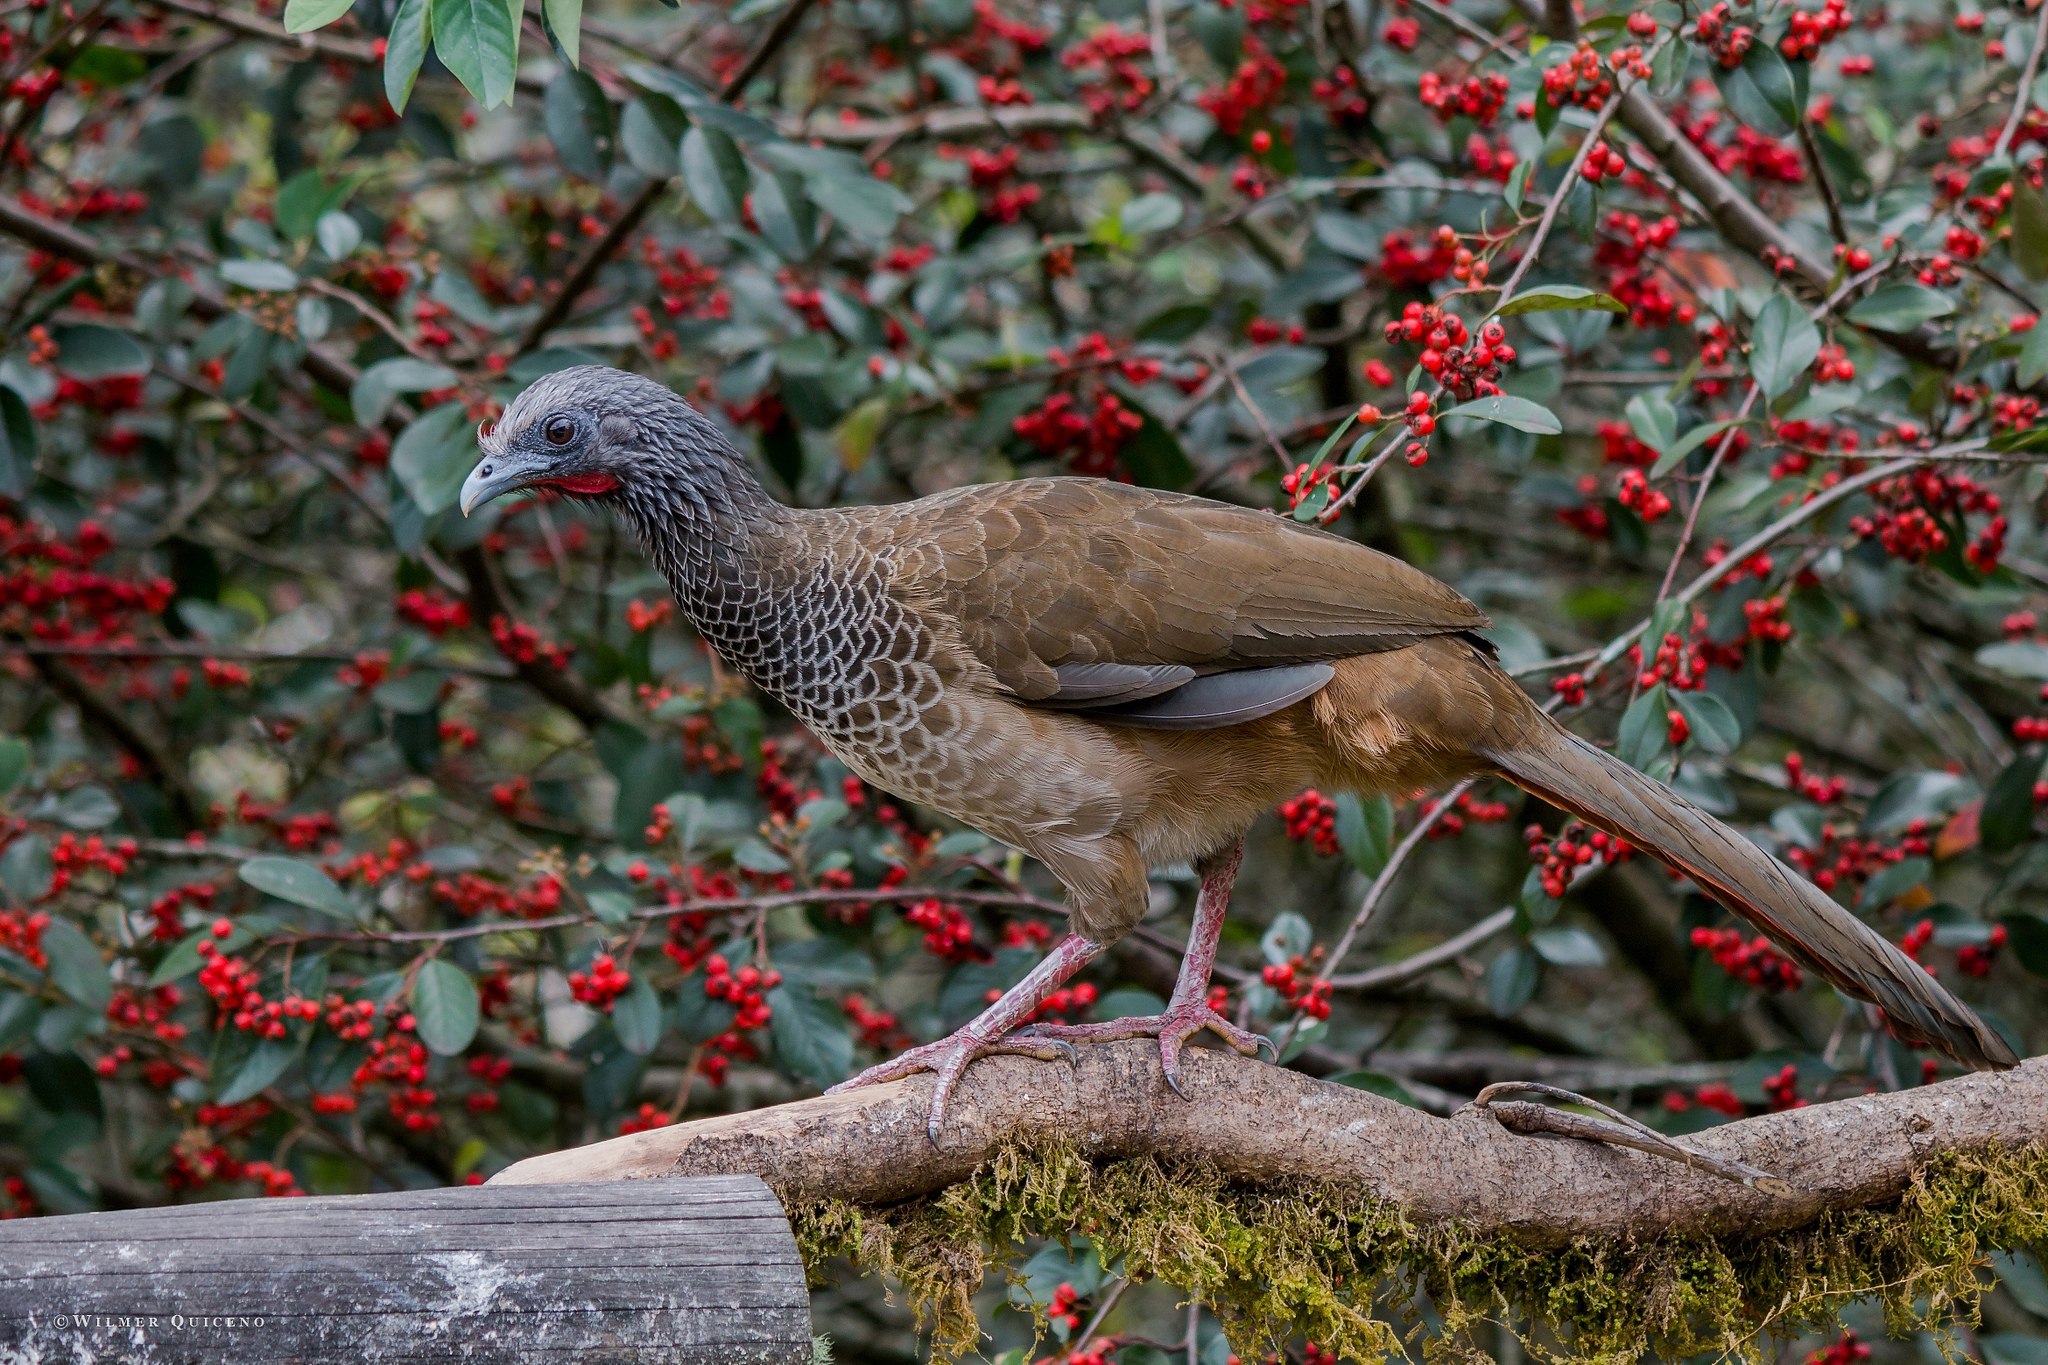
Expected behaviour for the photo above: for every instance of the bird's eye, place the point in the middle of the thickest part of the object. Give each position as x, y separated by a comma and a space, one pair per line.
559, 431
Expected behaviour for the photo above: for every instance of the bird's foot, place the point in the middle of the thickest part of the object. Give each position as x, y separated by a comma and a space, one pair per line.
1173, 1028
948, 1059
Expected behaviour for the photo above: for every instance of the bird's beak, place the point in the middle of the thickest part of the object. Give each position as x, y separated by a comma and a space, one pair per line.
497, 474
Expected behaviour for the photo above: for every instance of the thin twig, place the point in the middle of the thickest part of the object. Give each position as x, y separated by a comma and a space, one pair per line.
1377, 892
1827, 186
1402, 972
1109, 1301
2023, 97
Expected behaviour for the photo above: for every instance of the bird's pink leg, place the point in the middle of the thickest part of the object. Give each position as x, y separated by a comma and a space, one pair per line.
987, 1032
1188, 1012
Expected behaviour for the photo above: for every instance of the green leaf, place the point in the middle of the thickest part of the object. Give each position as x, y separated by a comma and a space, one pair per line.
2032, 366
650, 130
2029, 937
303, 16
2029, 244
1654, 421
1150, 213
444, 1006
2008, 815
257, 276
87, 350
1761, 92
1518, 185
2016, 658
405, 48
1566, 947
564, 20
17, 445
479, 43
433, 455
810, 1037
2021, 1276
76, 967
636, 1018
1510, 411
578, 119
1287, 937
714, 173
411, 694
1911, 796
785, 215
259, 1070
378, 387
1783, 342
300, 882
338, 234
106, 67
1220, 31
1901, 307
1643, 727
14, 761
1365, 831
1714, 726
26, 867
1154, 456
1511, 981
1551, 298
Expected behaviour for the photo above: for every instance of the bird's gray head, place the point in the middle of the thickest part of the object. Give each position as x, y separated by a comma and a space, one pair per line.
598, 433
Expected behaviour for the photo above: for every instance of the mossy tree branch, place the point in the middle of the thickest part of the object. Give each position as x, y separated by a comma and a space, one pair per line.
1258, 1123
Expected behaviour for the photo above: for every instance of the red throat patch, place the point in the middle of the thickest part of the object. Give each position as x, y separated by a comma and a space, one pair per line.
584, 485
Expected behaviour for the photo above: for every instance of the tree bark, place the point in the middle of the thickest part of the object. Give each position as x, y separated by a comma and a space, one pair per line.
697, 1272
1260, 1123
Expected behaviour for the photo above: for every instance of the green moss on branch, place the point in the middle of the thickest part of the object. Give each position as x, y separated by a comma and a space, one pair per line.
1278, 1261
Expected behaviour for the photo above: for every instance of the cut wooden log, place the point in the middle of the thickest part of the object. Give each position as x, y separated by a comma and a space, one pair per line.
687, 1272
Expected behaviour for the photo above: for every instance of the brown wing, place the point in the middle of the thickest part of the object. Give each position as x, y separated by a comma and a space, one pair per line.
1046, 577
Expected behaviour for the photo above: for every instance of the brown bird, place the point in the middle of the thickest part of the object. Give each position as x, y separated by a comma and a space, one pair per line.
1112, 678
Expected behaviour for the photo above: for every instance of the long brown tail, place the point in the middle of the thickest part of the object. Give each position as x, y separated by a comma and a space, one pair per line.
1551, 762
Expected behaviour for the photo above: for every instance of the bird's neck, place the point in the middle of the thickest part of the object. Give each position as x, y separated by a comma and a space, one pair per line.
735, 558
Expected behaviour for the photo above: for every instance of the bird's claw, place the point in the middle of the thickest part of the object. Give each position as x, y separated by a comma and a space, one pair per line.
1172, 1029
948, 1059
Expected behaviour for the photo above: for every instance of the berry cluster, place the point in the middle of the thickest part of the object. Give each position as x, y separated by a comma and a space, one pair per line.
1822, 791
1111, 54
1296, 983
1836, 861
1468, 808
1752, 961
1635, 493
1808, 30
1559, 860
947, 933
1479, 98
1844, 1350
1065, 1309
522, 644
1602, 163
601, 986
1623, 247
1580, 79
1312, 819
1715, 1096
1729, 43
1975, 959
1402, 266
1468, 368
